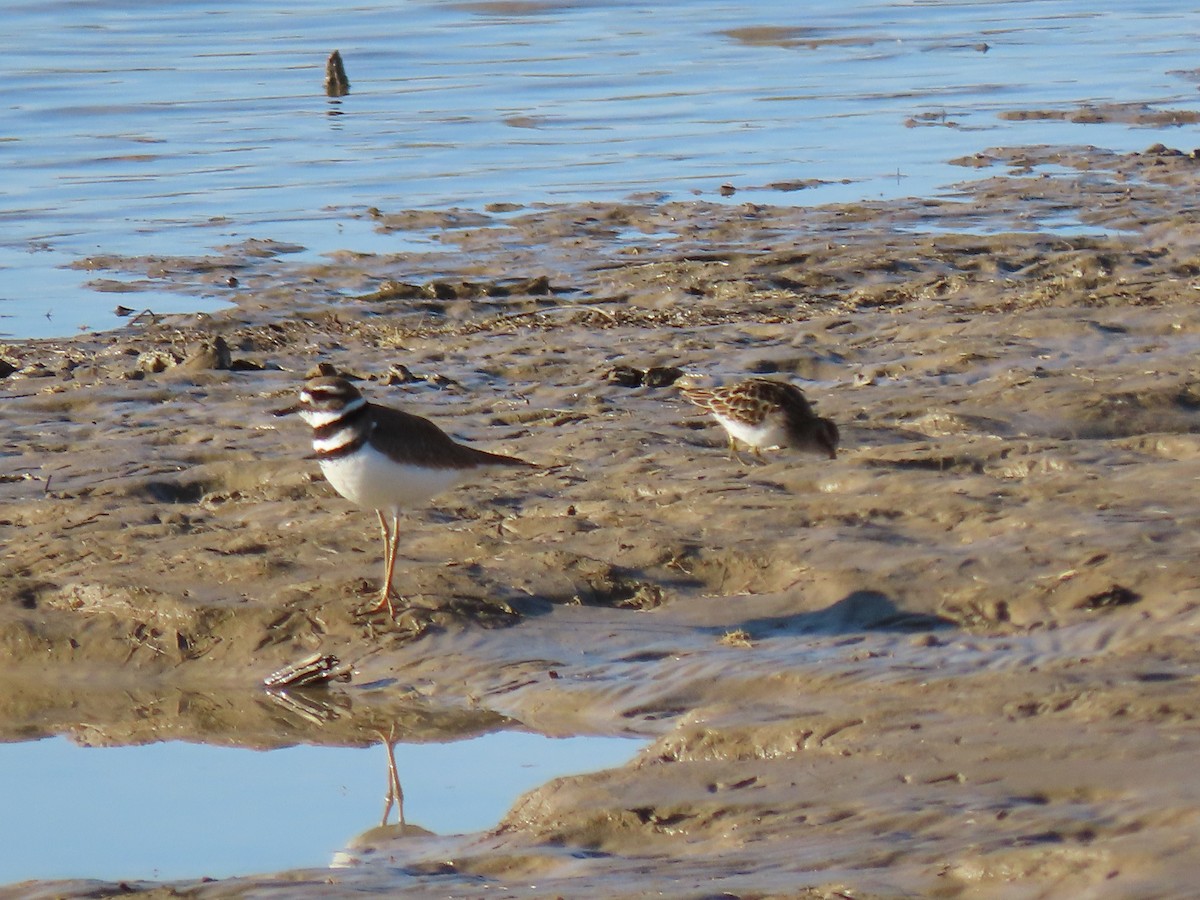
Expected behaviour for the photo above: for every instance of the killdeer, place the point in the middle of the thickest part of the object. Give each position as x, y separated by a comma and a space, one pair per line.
762, 414
384, 459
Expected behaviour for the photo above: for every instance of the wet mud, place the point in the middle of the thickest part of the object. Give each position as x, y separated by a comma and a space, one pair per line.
958, 660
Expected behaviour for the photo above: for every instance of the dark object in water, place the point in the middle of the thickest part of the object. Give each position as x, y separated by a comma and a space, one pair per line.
336, 82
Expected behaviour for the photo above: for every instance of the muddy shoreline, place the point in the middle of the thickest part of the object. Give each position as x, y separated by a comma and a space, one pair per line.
958, 660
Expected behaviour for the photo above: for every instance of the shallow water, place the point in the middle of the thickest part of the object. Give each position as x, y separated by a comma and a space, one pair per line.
177, 129
175, 810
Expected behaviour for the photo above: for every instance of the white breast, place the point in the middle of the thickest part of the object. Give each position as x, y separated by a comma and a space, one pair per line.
761, 437
370, 479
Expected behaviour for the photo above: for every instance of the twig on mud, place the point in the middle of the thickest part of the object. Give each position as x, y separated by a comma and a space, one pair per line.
551, 309
91, 518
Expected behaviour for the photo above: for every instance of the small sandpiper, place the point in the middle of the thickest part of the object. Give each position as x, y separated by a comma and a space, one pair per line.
384, 459
764, 414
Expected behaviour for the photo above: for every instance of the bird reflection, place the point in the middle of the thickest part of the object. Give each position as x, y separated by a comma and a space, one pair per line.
395, 793
307, 707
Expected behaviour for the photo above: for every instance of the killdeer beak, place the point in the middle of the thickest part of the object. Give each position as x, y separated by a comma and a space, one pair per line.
286, 412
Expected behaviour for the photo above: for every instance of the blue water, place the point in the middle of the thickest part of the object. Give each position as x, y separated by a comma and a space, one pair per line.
175, 810
135, 128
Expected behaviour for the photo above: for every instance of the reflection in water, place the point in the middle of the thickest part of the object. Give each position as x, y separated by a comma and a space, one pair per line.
314, 710
176, 810
395, 793
319, 708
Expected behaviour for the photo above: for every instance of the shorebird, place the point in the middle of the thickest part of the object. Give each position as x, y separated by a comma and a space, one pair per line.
384, 459
763, 414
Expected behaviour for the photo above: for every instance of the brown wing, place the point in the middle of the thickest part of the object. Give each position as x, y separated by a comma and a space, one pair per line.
699, 396
412, 439
780, 394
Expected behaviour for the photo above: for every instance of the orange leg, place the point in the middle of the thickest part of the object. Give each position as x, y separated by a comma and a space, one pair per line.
391, 539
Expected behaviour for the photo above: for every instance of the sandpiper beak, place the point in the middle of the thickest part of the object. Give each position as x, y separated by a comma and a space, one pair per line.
286, 412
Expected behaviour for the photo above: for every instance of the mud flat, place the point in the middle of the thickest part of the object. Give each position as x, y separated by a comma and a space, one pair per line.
959, 660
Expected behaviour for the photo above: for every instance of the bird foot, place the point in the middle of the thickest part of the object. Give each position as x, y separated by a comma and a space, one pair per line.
384, 603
